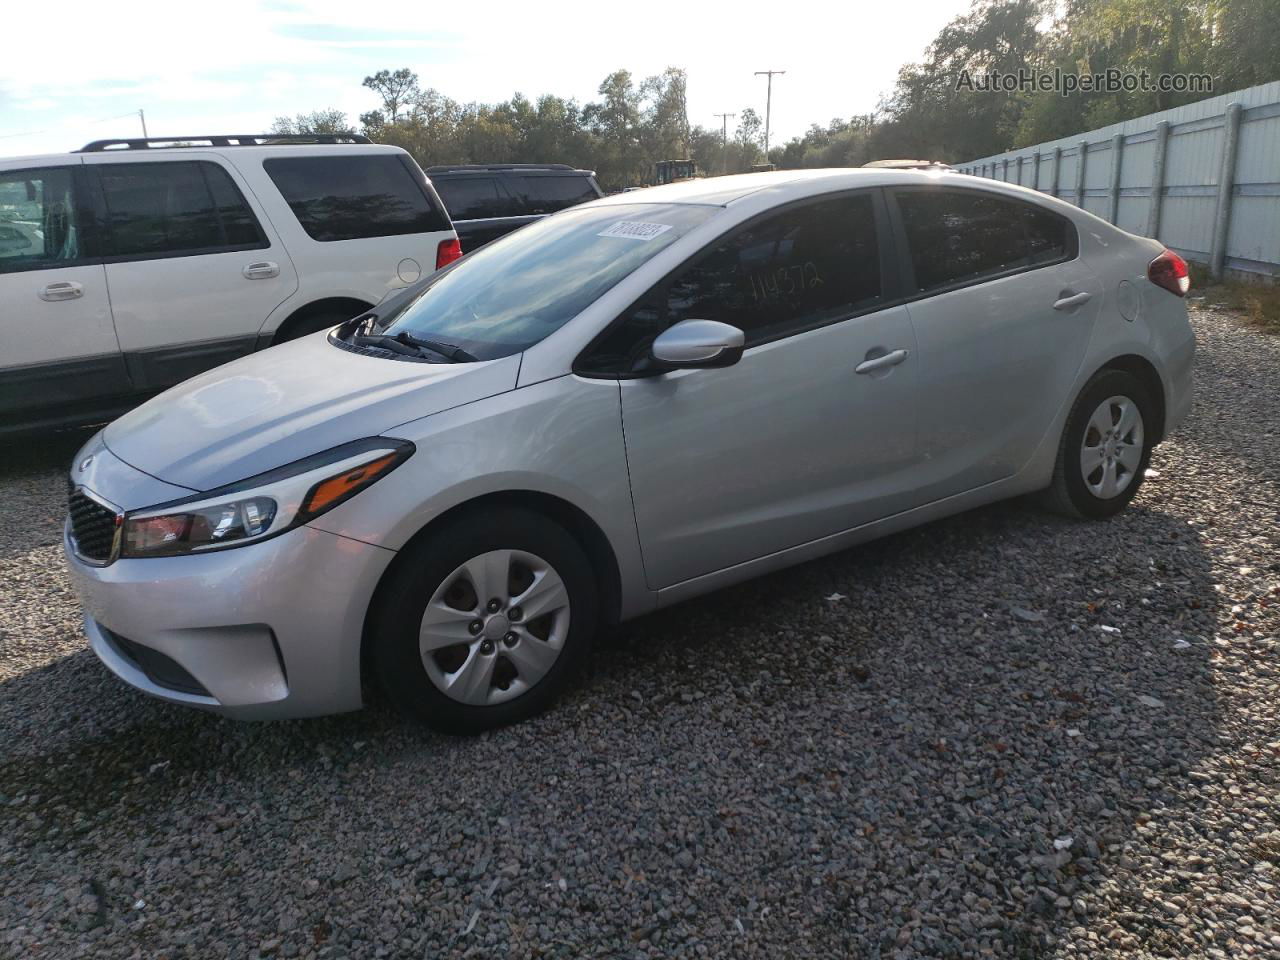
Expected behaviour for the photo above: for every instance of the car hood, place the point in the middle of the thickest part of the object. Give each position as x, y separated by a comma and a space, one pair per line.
272, 408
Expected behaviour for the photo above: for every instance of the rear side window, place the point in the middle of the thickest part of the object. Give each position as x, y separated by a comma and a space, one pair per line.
552, 193
179, 208
38, 226
957, 238
792, 271
474, 198
355, 197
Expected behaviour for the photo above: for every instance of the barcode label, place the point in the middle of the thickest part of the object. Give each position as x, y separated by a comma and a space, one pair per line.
634, 230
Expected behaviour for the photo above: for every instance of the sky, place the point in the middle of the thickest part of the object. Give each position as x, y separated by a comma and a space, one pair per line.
238, 64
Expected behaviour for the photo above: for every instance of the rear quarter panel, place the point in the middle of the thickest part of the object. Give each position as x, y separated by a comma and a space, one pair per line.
1137, 317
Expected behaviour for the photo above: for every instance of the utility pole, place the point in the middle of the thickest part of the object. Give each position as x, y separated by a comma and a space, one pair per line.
143, 117
724, 140
768, 106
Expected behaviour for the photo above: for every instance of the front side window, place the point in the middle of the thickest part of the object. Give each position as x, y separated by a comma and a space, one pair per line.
789, 272
512, 293
174, 208
957, 238
547, 194
355, 196
38, 227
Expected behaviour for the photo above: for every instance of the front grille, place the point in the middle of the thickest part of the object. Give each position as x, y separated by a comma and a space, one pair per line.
93, 527
160, 669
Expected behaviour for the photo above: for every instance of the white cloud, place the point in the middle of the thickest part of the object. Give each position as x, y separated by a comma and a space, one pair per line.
236, 65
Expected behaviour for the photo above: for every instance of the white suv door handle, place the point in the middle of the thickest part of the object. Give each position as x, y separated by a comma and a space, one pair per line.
63, 290
891, 359
1074, 300
262, 270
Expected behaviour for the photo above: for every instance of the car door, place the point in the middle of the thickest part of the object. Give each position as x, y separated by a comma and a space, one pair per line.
57, 344
792, 443
192, 268
1003, 309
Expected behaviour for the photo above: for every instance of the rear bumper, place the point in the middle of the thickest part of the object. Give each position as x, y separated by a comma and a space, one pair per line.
1181, 387
271, 630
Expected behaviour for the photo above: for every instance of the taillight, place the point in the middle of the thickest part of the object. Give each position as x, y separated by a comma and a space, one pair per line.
1170, 271
448, 251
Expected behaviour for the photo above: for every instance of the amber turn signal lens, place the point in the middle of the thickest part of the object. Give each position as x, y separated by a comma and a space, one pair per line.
328, 493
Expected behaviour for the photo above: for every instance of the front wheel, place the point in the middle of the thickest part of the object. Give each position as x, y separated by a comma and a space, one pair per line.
485, 622
1105, 448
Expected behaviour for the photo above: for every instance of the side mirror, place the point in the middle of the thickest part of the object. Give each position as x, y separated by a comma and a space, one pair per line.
699, 344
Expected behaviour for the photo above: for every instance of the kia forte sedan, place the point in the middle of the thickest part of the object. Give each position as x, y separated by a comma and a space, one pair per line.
625, 405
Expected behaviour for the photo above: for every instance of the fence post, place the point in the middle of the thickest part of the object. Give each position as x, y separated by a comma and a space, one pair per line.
1035, 172
1161, 148
1084, 155
1057, 167
1226, 186
1004, 175
1117, 157
1018, 172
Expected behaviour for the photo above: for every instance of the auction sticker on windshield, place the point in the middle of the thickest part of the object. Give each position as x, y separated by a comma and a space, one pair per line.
634, 230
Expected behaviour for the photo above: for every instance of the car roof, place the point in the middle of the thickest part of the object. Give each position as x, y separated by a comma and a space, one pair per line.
125, 155
783, 185
523, 169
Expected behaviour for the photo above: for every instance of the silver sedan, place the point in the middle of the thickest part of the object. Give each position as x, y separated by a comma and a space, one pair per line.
622, 406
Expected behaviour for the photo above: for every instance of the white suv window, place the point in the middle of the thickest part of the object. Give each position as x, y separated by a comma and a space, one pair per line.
355, 197
37, 219
180, 208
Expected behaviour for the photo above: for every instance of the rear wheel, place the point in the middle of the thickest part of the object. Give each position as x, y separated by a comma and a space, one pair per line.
485, 622
1105, 448
313, 323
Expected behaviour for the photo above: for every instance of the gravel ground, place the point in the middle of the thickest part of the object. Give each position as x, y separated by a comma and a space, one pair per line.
1002, 735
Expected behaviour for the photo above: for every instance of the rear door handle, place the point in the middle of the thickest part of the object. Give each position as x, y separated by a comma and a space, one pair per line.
891, 359
262, 270
1073, 300
63, 290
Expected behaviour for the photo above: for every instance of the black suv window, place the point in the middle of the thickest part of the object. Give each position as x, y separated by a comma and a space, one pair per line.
789, 272
469, 197
547, 194
178, 208
354, 197
38, 227
957, 238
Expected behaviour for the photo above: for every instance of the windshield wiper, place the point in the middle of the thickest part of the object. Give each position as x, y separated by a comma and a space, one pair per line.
446, 350
408, 345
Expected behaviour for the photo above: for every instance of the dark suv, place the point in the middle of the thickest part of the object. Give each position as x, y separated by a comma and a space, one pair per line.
486, 201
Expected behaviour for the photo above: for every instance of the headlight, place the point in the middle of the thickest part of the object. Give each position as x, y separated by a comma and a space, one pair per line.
262, 506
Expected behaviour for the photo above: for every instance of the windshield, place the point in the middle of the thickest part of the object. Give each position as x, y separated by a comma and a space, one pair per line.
512, 293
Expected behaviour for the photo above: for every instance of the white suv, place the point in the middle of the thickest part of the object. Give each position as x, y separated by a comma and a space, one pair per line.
132, 265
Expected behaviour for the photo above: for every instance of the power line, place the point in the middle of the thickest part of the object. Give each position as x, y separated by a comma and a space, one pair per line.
768, 106
724, 140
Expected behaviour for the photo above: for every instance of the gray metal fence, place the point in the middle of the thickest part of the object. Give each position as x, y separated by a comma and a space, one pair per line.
1204, 179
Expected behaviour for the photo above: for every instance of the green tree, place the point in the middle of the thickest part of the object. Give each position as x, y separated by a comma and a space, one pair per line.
320, 121
396, 88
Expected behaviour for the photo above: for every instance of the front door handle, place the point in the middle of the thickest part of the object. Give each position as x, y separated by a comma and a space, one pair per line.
891, 359
1072, 300
64, 290
262, 270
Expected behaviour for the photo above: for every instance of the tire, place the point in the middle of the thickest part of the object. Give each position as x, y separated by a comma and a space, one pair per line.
416, 657
1088, 495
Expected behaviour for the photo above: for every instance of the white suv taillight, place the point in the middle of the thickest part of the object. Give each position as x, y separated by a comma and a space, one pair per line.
448, 251
1170, 271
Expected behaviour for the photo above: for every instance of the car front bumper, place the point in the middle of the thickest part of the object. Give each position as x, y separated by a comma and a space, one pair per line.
266, 631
